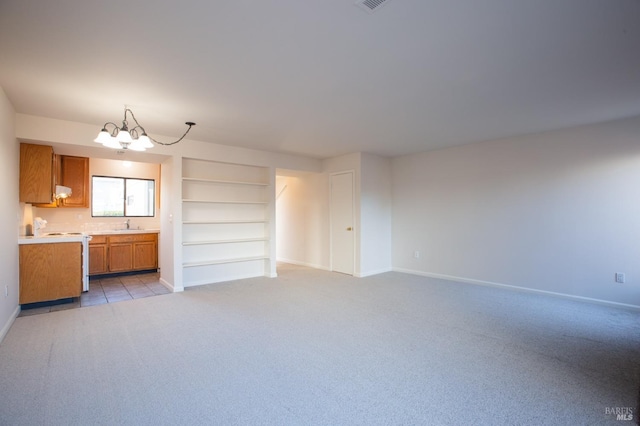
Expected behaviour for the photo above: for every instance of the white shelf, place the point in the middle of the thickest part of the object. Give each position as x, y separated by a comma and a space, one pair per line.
226, 182
236, 240
222, 222
223, 202
226, 221
222, 261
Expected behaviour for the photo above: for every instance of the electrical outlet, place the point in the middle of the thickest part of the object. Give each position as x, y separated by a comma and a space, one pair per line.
6, 291
416, 254
620, 277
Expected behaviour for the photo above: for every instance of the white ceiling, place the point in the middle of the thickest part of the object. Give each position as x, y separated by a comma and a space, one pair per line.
324, 78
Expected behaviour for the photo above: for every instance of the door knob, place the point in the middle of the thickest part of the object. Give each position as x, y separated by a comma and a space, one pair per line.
349, 229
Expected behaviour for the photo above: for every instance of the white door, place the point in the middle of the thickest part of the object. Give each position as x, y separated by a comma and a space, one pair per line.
342, 232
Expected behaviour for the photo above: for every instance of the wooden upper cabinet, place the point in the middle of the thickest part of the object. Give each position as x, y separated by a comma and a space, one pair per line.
74, 173
36, 173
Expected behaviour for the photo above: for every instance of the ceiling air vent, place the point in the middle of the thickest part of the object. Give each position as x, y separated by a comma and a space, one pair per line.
371, 5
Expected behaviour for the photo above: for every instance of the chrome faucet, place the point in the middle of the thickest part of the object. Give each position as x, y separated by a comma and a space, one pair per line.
127, 223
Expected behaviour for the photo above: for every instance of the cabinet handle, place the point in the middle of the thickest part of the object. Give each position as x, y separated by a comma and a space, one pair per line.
349, 229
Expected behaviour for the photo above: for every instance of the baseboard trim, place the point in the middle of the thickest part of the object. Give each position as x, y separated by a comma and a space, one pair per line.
169, 286
9, 323
224, 279
325, 268
370, 273
518, 288
309, 265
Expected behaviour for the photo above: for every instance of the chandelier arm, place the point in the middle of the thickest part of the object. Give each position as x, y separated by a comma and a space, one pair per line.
135, 130
114, 132
188, 123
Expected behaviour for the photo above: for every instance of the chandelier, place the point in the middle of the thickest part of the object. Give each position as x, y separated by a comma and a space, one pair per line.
135, 139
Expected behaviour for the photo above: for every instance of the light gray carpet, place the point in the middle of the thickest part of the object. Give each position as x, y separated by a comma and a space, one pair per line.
313, 347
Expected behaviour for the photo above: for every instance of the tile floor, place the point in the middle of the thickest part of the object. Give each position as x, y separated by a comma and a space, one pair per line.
109, 290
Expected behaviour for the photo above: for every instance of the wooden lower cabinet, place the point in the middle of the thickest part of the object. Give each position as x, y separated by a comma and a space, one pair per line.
50, 271
145, 255
123, 253
98, 255
120, 257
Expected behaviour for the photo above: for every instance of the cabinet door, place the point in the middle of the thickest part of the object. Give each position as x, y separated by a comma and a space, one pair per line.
50, 271
145, 255
75, 175
120, 257
97, 259
36, 173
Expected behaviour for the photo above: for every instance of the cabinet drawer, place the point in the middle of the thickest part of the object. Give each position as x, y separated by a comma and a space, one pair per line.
98, 239
131, 238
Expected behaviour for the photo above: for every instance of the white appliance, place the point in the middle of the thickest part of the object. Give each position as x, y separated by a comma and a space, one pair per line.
85, 261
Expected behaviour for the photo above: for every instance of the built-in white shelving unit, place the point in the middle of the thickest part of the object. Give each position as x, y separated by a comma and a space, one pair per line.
226, 221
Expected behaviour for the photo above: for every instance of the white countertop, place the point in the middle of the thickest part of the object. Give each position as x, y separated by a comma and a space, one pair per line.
61, 237
50, 239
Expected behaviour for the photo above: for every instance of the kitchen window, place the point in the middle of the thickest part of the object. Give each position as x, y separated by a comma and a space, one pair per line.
122, 197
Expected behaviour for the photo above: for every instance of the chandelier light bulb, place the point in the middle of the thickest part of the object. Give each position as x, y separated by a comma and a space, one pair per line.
124, 136
145, 141
103, 136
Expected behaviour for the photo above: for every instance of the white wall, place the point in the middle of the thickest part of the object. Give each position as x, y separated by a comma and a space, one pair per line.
302, 219
10, 215
375, 214
557, 212
170, 262
303, 214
